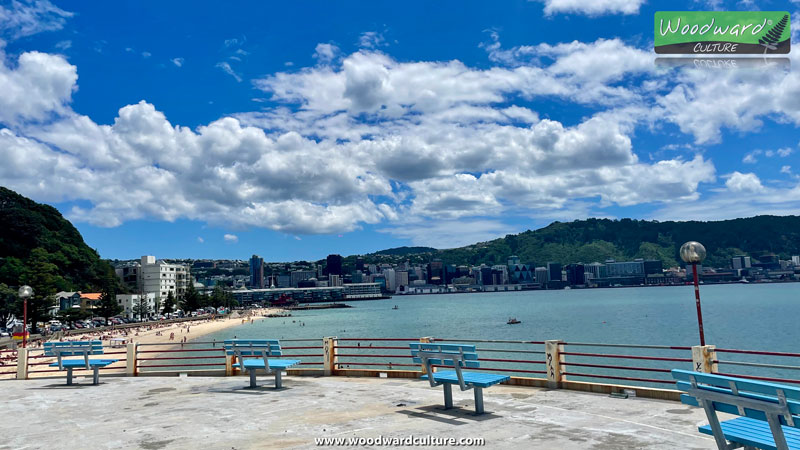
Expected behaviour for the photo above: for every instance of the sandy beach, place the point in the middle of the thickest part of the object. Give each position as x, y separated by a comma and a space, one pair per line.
157, 333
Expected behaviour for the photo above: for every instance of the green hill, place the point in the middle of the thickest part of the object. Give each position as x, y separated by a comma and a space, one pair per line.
599, 239
40, 248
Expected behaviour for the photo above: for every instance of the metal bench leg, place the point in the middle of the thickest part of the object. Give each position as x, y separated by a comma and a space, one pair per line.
278, 383
478, 400
252, 378
69, 376
96, 376
448, 396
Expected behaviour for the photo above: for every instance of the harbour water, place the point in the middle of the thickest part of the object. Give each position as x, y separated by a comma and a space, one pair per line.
754, 316
749, 317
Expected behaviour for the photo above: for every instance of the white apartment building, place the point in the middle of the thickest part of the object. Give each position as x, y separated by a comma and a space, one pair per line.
161, 278
130, 303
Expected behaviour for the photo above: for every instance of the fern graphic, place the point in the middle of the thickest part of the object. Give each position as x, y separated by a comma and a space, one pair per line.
774, 34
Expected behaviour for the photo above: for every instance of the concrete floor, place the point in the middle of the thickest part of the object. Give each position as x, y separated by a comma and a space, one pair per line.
220, 413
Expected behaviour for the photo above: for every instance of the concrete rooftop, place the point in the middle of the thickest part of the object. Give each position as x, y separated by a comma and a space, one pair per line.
220, 413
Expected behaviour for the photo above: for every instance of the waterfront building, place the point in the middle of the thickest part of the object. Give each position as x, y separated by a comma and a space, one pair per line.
625, 268
161, 278
653, 267
575, 274
130, 304
284, 281
741, 262
335, 280
257, 272
436, 272
333, 264
520, 273
362, 290
553, 271
595, 269
796, 261
513, 260
301, 275
540, 275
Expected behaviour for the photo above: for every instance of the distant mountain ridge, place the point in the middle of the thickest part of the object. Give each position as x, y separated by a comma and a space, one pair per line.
593, 240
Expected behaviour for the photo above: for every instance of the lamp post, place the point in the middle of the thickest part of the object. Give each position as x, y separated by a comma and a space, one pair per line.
25, 292
692, 253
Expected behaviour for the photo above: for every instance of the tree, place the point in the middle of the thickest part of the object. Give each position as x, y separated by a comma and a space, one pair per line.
43, 276
191, 300
169, 303
141, 309
72, 314
10, 304
108, 306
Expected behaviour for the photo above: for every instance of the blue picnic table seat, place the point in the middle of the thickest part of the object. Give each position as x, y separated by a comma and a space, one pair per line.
457, 356
770, 412
254, 354
78, 348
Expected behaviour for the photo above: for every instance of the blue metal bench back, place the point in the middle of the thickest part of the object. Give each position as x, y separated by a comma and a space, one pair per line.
74, 348
720, 388
253, 347
470, 358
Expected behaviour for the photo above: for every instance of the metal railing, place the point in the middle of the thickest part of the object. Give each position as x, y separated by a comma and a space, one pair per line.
637, 365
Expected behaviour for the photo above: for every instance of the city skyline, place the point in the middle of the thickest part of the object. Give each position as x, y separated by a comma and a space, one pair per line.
374, 127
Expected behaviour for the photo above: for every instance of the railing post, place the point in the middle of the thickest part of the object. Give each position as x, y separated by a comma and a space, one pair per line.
330, 360
130, 362
703, 357
22, 363
552, 351
228, 365
426, 340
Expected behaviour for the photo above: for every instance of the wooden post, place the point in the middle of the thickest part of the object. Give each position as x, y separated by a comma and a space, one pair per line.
426, 340
552, 351
703, 357
130, 362
229, 365
22, 363
330, 360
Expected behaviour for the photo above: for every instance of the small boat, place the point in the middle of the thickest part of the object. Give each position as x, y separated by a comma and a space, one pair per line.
395, 307
513, 320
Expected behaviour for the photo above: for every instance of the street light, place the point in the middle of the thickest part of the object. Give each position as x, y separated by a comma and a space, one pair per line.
25, 292
692, 253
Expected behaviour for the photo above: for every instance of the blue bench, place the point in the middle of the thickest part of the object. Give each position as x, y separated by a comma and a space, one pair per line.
457, 356
253, 354
77, 348
770, 413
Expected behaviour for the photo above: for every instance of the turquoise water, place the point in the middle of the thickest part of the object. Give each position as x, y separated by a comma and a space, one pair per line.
762, 316
755, 316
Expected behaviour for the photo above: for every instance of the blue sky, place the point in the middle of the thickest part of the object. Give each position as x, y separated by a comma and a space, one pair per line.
297, 129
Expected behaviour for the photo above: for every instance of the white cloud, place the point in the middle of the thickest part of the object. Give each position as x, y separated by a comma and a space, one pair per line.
229, 70
325, 53
592, 7
371, 39
200, 239
40, 85
450, 233
786, 170
231, 238
146, 55
744, 182
19, 19
365, 140
64, 45
177, 61
784, 152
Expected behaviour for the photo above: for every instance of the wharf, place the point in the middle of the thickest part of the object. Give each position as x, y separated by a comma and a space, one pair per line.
221, 413
318, 306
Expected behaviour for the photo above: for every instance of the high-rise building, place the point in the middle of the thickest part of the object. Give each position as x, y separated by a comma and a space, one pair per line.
436, 272
391, 280
301, 275
161, 278
257, 272
401, 278
513, 260
334, 264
